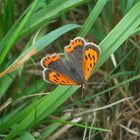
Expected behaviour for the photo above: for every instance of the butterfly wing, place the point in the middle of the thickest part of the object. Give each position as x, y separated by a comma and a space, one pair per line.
57, 78
74, 52
56, 71
90, 58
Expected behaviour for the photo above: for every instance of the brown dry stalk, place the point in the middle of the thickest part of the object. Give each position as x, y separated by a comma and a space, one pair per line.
124, 94
18, 63
7, 103
64, 129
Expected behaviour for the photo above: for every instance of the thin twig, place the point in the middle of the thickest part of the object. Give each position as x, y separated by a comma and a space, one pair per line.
124, 94
85, 132
7, 103
135, 44
29, 96
64, 129
129, 130
104, 107
93, 121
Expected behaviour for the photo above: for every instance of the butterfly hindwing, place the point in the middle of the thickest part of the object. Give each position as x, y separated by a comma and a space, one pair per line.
90, 58
57, 78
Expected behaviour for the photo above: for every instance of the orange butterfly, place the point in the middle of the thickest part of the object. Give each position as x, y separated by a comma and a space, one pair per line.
76, 70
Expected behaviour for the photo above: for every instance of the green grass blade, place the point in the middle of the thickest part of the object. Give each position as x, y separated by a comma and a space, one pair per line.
92, 17
51, 11
5, 39
16, 33
81, 125
8, 80
8, 14
27, 136
120, 33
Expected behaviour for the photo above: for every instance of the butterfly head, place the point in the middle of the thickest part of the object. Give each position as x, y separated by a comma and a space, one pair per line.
84, 85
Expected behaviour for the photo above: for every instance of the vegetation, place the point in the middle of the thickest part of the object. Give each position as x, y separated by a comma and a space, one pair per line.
31, 108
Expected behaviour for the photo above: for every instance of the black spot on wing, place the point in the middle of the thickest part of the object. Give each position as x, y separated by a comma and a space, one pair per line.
58, 74
90, 58
93, 57
67, 81
86, 57
55, 77
90, 65
63, 82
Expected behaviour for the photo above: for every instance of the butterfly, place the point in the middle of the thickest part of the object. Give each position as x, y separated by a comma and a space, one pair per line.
81, 59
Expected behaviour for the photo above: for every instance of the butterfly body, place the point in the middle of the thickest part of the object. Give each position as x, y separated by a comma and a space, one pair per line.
76, 69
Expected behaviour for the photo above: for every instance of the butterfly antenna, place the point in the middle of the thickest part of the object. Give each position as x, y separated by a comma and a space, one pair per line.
96, 83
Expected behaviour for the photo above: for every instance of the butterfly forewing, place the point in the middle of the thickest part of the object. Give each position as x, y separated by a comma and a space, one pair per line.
90, 58
75, 50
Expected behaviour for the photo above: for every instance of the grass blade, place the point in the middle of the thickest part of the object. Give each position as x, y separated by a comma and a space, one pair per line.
16, 33
92, 17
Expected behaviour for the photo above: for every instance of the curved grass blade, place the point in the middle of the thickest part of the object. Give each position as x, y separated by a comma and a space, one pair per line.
92, 17
120, 33
52, 10
80, 125
38, 46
